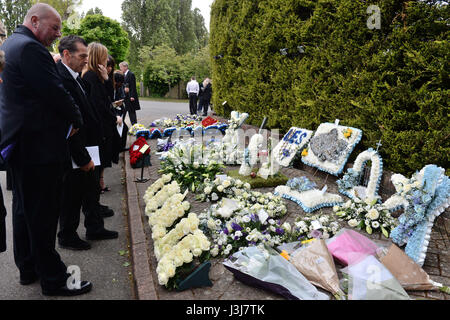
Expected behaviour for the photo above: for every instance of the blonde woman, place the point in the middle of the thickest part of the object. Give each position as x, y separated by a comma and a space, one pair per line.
95, 75
206, 96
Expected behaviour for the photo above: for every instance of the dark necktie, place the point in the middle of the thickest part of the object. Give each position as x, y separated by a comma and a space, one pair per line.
80, 82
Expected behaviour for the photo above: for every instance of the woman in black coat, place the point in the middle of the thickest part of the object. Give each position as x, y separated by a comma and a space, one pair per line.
207, 94
95, 76
119, 97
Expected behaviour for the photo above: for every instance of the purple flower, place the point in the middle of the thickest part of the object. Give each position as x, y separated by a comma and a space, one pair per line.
279, 231
225, 230
254, 218
316, 234
236, 227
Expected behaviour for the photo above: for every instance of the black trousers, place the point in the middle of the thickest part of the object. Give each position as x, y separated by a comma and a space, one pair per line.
37, 197
92, 203
193, 103
205, 105
132, 114
80, 188
2, 223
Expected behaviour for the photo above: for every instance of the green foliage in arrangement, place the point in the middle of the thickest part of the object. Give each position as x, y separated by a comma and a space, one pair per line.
105, 30
392, 82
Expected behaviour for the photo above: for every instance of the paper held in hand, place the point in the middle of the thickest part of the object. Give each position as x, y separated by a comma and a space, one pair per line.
95, 156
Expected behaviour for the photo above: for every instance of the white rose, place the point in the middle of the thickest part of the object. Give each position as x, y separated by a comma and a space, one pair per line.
373, 214
375, 224
353, 223
247, 185
208, 190
226, 183
220, 188
215, 251
286, 226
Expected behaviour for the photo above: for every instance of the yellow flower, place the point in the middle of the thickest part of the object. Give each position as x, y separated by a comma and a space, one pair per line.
348, 132
285, 255
305, 153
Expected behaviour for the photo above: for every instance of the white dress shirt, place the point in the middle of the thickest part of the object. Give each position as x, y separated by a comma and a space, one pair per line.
74, 74
192, 87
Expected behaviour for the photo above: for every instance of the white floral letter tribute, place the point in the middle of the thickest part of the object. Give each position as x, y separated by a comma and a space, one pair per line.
350, 186
330, 147
293, 142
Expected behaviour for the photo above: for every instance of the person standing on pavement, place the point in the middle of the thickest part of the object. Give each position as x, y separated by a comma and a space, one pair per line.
37, 115
207, 94
130, 88
2, 205
200, 97
94, 75
81, 183
192, 90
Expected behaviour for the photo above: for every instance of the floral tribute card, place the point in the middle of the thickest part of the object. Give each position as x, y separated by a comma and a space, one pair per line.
331, 147
292, 142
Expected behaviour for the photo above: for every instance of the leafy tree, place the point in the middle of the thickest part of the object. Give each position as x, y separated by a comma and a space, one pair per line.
163, 69
93, 11
201, 33
154, 23
65, 7
105, 30
13, 12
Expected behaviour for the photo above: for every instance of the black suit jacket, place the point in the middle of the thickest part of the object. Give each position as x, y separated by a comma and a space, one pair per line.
35, 109
90, 133
130, 78
2, 223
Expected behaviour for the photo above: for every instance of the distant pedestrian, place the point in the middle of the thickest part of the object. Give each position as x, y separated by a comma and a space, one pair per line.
200, 97
207, 94
130, 88
192, 90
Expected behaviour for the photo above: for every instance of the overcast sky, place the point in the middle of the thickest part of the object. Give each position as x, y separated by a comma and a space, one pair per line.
113, 8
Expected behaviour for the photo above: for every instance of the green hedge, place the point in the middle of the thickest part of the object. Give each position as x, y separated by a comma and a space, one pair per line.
393, 82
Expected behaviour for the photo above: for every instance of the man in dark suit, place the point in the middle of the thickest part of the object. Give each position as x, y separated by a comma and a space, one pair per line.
2, 205
36, 116
130, 89
80, 185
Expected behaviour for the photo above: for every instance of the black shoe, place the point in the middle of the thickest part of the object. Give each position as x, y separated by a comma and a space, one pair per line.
102, 235
106, 212
85, 287
27, 279
74, 244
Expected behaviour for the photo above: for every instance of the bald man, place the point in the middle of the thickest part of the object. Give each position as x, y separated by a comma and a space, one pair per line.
37, 115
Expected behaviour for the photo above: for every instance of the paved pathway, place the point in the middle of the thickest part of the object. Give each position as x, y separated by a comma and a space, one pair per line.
109, 272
